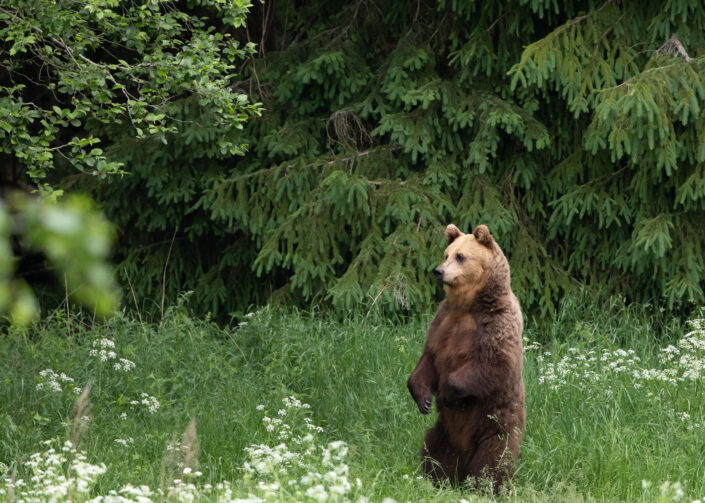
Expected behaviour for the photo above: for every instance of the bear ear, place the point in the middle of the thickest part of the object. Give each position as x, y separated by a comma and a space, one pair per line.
482, 234
452, 233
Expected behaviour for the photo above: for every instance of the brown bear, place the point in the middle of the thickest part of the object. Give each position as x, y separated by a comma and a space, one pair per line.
472, 362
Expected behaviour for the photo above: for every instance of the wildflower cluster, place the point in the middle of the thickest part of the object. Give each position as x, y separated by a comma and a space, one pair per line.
588, 366
127, 494
184, 488
685, 418
688, 356
680, 363
57, 475
51, 381
125, 442
150, 402
66, 476
667, 491
103, 350
530, 345
297, 467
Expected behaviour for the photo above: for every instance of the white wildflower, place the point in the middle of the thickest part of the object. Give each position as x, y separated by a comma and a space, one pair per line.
103, 343
49, 380
317, 493
150, 402
125, 442
124, 365
57, 475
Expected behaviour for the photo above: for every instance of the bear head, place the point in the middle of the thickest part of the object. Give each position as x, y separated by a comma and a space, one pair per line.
473, 266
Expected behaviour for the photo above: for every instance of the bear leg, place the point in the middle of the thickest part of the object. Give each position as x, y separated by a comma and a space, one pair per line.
493, 460
440, 460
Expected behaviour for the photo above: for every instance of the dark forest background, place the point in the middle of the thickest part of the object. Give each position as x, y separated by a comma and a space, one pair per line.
311, 153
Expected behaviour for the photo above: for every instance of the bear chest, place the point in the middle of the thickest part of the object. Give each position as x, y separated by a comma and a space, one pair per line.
454, 344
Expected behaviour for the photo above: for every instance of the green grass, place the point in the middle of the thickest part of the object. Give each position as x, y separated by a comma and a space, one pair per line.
587, 438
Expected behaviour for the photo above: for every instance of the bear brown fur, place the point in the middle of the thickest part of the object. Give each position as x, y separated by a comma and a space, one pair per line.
472, 362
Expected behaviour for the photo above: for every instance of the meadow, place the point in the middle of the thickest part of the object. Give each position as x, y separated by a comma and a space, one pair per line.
291, 406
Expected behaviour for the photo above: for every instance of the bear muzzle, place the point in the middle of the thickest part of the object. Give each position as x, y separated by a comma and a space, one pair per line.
439, 274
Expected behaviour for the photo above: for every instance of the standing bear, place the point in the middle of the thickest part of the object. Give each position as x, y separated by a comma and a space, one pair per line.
472, 362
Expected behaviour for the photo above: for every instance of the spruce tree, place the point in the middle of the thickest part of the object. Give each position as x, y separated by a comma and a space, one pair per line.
573, 130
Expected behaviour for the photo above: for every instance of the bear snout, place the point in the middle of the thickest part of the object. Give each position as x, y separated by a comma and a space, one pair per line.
439, 274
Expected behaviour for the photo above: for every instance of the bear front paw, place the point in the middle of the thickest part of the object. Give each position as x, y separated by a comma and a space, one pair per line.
424, 405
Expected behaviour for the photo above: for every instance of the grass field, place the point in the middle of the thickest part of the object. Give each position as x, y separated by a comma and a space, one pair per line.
293, 407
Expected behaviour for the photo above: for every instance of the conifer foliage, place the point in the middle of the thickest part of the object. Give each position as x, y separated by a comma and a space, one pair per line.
574, 130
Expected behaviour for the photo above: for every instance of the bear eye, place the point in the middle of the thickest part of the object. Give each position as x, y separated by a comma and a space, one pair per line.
460, 257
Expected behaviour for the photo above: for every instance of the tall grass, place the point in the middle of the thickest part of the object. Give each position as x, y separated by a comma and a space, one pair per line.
606, 419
